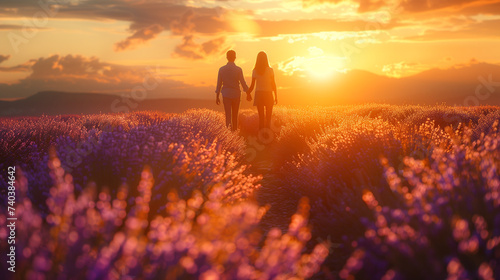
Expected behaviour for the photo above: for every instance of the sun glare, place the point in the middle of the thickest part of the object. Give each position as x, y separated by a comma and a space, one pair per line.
320, 68
317, 65
323, 66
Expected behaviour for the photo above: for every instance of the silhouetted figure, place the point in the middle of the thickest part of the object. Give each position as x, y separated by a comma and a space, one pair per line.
263, 80
228, 82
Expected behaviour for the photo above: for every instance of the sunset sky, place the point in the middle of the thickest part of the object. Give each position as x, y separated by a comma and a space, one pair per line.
111, 46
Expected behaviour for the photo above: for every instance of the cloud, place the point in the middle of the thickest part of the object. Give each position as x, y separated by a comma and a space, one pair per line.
4, 58
364, 5
140, 36
190, 21
214, 46
10, 27
482, 7
74, 68
18, 68
189, 48
183, 25
89, 74
271, 28
192, 50
467, 31
147, 19
415, 6
421, 6
401, 69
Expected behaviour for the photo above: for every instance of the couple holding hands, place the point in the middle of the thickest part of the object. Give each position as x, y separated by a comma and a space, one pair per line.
228, 83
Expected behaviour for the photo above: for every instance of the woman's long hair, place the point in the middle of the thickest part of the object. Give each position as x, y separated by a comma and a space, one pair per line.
262, 63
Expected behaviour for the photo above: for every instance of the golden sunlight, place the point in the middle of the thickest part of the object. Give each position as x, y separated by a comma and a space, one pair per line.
316, 65
322, 67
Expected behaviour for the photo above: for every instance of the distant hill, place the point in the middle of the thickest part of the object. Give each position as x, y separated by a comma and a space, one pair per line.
460, 85
61, 103
463, 85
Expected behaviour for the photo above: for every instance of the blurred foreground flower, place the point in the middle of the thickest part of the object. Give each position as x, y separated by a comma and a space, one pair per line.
448, 224
92, 236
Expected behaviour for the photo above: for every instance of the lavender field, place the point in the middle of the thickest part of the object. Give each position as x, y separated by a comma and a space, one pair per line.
348, 192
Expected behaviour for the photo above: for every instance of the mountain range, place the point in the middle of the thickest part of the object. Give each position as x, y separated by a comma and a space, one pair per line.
65, 103
466, 85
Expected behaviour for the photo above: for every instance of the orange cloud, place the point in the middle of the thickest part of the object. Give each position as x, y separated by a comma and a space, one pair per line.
403, 68
412, 6
465, 31
184, 24
192, 50
189, 48
189, 21
18, 68
147, 19
79, 68
364, 5
4, 58
140, 36
10, 26
273, 28
420, 6
78, 73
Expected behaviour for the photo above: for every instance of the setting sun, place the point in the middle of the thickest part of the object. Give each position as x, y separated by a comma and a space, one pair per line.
324, 67
316, 64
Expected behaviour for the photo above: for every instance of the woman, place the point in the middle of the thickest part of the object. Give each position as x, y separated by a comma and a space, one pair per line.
264, 83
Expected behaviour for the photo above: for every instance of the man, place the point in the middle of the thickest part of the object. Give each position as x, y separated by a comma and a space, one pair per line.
228, 82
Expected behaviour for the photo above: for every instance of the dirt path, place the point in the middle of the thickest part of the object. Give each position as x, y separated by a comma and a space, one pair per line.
273, 193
